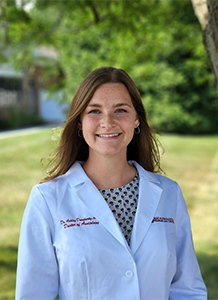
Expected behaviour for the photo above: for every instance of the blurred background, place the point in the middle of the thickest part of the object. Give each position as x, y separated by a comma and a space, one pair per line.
168, 47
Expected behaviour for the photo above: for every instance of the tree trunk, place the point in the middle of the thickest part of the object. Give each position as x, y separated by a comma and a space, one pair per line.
26, 90
207, 14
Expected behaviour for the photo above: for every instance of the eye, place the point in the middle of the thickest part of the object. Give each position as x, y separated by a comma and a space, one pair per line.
94, 111
120, 110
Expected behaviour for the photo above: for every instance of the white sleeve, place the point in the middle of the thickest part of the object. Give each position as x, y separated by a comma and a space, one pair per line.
37, 269
187, 283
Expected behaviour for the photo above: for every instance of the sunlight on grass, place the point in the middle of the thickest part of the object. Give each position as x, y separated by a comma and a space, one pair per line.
191, 161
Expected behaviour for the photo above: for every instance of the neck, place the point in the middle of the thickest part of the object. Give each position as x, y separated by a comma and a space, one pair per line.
109, 173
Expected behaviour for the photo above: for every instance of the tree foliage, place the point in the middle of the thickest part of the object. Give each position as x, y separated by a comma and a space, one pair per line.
158, 42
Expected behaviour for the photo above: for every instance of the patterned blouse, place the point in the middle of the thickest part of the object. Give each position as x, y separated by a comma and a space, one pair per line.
123, 204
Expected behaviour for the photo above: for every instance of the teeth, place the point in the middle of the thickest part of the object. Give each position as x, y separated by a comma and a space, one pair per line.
108, 135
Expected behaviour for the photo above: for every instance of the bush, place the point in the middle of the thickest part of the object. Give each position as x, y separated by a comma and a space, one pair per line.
11, 118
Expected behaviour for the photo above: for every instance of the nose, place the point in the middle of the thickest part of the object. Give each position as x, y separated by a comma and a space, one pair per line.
107, 121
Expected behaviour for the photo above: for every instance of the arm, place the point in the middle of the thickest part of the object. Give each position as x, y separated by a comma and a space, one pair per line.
187, 283
37, 270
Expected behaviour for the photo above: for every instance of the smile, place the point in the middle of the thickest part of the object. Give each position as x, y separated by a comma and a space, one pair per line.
108, 135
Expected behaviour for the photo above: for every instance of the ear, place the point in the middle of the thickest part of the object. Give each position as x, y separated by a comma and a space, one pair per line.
79, 125
137, 122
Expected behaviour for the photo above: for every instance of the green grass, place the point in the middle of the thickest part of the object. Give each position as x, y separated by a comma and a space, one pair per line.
20, 169
191, 161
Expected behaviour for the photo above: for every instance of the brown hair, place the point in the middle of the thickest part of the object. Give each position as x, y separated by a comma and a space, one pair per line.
143, 148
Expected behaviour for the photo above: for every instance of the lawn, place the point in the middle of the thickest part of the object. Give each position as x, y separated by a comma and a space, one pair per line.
191, 161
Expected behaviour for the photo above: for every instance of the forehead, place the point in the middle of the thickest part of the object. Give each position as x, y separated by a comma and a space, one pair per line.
111, 93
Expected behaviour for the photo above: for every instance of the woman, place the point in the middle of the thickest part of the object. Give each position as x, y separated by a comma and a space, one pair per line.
104, 225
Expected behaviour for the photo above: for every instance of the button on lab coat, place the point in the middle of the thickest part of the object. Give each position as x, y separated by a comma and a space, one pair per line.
71, 244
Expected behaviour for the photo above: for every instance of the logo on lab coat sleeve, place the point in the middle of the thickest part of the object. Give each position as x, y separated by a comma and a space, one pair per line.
78, 222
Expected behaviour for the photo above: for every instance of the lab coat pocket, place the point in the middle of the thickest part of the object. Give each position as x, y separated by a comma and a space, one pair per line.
164, 236
157, 254
165, 247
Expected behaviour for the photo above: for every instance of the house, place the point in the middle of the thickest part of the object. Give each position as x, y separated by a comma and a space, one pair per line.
32, 96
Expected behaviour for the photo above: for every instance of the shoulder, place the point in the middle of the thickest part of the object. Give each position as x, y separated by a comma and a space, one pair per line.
154, 177
170, 188
55, 189
171, 194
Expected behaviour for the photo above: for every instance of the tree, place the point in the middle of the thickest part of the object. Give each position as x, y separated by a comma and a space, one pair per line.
207, 14
159, 43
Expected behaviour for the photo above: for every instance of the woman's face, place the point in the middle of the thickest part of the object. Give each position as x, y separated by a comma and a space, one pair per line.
109, 120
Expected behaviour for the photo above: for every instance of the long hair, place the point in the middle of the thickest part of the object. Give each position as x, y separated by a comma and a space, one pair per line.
143, 148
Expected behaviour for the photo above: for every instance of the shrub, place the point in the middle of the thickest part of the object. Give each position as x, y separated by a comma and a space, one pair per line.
11, 118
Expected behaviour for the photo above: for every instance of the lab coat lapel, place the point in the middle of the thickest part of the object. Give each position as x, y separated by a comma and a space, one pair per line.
98, 207
90, 196
149, 196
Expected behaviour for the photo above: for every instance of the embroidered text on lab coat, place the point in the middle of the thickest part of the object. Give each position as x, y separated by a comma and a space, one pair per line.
79, 222
162, 219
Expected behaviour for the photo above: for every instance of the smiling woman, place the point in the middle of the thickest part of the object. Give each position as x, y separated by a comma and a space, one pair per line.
108, 124
121, 89
103, 223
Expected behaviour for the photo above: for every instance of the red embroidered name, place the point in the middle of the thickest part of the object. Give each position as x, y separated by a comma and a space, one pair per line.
162, 219
78, 222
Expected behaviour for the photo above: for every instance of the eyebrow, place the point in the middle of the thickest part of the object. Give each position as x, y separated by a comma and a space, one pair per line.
117, 105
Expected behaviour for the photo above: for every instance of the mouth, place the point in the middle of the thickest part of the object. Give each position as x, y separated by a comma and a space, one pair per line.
109, 135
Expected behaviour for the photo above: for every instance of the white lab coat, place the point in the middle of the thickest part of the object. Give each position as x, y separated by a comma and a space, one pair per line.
71, 244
